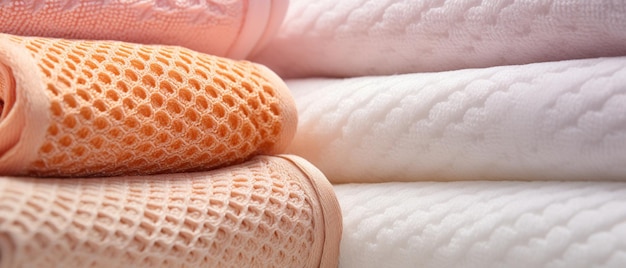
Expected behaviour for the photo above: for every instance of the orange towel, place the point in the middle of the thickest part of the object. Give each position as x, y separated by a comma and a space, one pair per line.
267, 212
85, 108
233, 28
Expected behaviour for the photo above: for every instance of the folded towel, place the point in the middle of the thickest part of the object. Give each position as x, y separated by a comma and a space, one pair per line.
554, 121
223, 28
83, 108
267, 212
364, 37
483, 224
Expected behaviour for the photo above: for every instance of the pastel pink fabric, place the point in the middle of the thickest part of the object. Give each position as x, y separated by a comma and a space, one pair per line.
230, 28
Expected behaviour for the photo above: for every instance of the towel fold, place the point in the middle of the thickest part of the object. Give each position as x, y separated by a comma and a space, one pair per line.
224, 28
545, 121
86, 108
267, 212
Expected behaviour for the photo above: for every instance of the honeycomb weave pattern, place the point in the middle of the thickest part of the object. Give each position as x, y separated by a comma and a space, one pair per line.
123, 108
256, 214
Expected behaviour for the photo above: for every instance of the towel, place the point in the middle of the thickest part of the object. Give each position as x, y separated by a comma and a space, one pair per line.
268, 212
383, 37
483, 224
105, 108
231, 29
544, 121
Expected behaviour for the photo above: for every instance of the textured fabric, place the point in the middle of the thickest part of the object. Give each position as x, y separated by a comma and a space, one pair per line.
231, 28
375, 37
483, 224
83, 108
554, 121
267, 212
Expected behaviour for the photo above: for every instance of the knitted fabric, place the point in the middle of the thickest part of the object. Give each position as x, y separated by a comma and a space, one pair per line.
329, 38
267, 212
223, 28
544, 121
483, 224
84, 108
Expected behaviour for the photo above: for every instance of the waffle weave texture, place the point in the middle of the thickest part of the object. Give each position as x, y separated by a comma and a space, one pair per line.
229, 28
83, 108
267, 212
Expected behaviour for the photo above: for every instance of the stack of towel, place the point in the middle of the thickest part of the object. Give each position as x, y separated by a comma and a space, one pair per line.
464, 133
457, 133
93, 101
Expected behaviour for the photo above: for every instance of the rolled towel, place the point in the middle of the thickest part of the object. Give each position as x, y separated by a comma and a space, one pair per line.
267, 212
84, 108
224, 28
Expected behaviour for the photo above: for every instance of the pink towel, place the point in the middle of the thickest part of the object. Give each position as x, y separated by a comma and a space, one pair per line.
223, 28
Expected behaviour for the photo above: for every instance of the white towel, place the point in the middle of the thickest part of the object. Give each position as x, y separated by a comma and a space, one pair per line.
554, 121
366, 37
483, 224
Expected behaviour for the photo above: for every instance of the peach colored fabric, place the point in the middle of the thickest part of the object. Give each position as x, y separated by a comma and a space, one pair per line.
231, 28
96, 108
267, 212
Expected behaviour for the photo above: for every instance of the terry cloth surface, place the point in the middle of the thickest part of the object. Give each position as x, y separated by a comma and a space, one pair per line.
224, 28
483, 224
83, 108
376, 37
545, 121
267, 212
